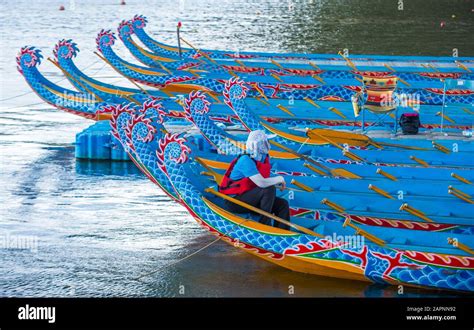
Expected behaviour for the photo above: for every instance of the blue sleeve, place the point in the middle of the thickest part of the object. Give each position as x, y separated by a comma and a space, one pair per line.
244, 168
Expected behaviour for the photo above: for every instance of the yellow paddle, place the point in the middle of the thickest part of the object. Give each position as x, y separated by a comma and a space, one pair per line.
262, 212
364, 233
75, 80
217, 177
197, 50
354, 139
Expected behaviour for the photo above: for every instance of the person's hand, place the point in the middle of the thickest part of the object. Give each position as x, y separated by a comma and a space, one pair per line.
282, 184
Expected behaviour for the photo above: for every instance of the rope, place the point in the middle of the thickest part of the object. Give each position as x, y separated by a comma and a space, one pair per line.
180, 260
95, 73
19, 95
54, 82
301, 146
23, 106
192, 254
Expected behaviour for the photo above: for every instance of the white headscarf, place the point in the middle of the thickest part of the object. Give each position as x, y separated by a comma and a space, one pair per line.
258, 145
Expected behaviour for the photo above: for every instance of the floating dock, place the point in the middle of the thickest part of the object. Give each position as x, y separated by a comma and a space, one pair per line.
96, 142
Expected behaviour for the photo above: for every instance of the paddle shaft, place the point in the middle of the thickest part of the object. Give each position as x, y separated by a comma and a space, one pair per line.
74, 79
179, 41
217, 177
305, 157
129, 79
197, 50
88, 90
359, 140
264, 213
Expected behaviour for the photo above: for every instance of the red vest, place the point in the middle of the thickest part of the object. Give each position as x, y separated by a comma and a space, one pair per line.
238, 187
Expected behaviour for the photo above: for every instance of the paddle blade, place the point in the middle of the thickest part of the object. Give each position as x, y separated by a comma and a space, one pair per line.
343, 173
339, 137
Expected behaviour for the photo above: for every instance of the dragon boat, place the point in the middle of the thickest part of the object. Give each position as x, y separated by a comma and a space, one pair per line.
386, 256
28, 59
52, 94
425, 77
226, 144
235, 93
288, 87
324, 188
318, 253
337, 114
436, 63
198, 110
77, 103
56, 95
65, 50
73, 102
91, 101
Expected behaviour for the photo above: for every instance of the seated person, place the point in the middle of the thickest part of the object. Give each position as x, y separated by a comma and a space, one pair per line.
248, 180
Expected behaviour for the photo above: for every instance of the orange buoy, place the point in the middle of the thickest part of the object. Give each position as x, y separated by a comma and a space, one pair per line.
62, 7
442, 24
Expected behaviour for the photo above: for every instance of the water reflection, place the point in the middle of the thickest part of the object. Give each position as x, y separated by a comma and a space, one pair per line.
378, 27
88, 167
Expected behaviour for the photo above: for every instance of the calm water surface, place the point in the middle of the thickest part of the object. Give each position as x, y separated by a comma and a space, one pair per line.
100, 225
